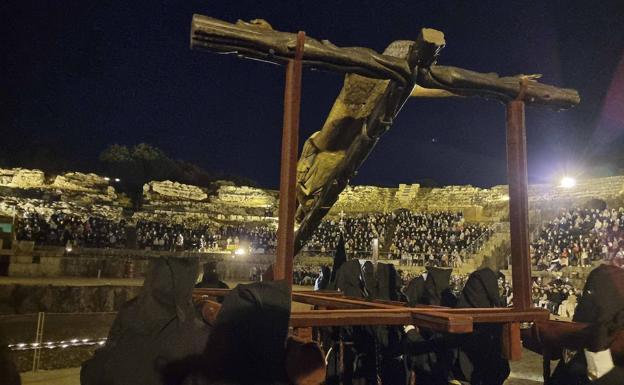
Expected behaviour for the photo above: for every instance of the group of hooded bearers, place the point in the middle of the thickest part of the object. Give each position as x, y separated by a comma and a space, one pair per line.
162, 337
405, 354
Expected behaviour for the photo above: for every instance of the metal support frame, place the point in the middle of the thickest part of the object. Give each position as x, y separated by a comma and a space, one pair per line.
283, 268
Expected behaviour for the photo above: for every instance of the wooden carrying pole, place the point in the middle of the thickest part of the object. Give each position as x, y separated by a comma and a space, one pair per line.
283, 268
518, 202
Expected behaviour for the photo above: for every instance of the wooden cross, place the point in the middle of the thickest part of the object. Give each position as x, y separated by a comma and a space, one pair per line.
376, 87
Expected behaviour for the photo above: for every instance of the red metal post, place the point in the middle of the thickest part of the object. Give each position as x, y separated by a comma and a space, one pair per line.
518, 205
290, 142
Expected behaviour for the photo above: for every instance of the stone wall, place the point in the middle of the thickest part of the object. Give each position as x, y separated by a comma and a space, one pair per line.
10, 205
477, 204
602, 188
168, 190
180, 203
246, 197
24, 299
22, 178
73, 192
107, 263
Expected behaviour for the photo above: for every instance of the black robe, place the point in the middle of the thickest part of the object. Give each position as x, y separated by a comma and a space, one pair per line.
210, 279
247, 344
603, 295
340, 257
437, 287
426, 351
359, 357
479, 356
600, 304
158, 327
388, 338
415, 290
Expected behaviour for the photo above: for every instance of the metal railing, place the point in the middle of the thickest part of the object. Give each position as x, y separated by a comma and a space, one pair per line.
41, 340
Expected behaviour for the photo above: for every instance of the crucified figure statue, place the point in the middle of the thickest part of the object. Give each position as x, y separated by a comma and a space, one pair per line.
376, 86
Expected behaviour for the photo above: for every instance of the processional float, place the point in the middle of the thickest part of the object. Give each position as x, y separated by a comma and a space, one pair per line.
376, 86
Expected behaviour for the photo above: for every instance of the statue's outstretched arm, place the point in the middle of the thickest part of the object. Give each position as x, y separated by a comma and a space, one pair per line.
454, 81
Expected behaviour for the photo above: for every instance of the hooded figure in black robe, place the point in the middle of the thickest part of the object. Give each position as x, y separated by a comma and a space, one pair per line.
602, 306
157, 327
210, 279
437, 287
388, 338
349, 279
359, 355
415, 290
340, 257
479, 356
426, 351
247, 344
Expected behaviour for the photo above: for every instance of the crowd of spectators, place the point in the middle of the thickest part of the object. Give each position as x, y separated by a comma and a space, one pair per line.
61, 229
577, 237
261, 238
437, 239
305, 275
358, 233
161, 236
559, 296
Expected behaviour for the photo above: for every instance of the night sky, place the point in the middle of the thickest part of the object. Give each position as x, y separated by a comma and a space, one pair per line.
77, 76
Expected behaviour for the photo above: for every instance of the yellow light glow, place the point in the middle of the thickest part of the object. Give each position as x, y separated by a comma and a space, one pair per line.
567, 182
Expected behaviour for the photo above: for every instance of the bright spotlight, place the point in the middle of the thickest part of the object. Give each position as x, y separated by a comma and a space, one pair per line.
240, 251
106, 178
567, 182
117, 180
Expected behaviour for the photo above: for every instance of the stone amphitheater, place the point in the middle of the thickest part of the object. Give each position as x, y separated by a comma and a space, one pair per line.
84, 194
171, 202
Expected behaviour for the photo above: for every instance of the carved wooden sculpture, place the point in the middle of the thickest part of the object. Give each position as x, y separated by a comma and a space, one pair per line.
375, 88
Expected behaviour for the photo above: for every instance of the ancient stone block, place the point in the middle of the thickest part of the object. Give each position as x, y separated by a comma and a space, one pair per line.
24, 178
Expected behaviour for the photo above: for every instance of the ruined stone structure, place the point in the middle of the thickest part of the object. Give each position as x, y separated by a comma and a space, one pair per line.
88, 194
181, 203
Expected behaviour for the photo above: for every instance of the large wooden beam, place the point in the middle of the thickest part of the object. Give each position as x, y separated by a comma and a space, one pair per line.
518, 205
357, 307
448, 323
283, 268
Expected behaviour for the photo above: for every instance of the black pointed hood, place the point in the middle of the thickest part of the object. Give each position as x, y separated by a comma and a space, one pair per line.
415, 291
340, 257
210, 279
387, 284
437, 283
248, 340
603, 295
481, 290
349, 279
